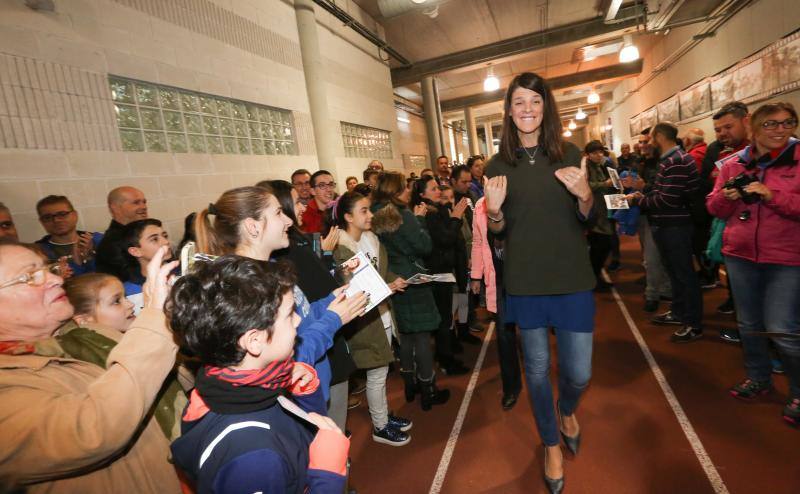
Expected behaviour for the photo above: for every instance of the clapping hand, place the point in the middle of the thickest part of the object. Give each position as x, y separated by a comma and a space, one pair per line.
330, 242
82, 248
494, 190
421, 209
458, 209
576, 180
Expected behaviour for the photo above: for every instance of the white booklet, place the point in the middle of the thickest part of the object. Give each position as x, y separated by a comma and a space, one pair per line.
421, 278
361, 275
612, 172
616, 201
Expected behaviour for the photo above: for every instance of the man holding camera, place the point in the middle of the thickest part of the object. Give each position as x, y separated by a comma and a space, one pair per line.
668, 206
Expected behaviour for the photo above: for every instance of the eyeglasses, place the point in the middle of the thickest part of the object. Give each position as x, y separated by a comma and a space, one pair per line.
307, 183
324, 186
47, 218
787, 124
34, 278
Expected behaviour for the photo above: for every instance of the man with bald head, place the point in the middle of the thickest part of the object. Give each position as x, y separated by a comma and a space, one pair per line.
375, 165
126, 204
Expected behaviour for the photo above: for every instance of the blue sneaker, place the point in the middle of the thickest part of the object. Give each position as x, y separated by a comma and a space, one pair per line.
400, 423
391, 436
777, 366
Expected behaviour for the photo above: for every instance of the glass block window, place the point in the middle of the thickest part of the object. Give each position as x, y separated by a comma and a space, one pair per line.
366, 142
159, 118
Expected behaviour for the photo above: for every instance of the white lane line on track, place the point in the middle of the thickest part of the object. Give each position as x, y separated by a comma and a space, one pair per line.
699, 450
447, 455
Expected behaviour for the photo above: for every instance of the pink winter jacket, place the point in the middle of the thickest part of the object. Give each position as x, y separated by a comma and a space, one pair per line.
482, 265
771, 234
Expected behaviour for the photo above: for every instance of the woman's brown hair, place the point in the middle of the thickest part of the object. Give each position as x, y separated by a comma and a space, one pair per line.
550, 130
390, 185
83, 291
762, 112
234, 206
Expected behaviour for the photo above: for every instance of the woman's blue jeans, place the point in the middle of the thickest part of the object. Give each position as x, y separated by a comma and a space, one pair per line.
574, 370
767, 298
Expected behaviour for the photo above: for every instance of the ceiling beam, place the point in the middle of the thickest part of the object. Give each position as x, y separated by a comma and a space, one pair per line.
568, 33
560, 82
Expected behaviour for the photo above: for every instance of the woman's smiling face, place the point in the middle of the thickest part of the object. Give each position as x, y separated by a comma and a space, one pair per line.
527, 110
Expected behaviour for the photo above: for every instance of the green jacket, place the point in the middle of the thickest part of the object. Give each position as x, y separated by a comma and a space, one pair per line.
407, 242
366, 335
597, 177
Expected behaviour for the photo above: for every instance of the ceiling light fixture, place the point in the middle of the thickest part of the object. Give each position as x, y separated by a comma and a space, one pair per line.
403, 119
629, 52
567, 133
572, 125
580, 115
491, 83
418, 1
593, 97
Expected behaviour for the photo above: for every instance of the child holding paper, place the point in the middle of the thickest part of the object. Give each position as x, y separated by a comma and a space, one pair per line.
372, 333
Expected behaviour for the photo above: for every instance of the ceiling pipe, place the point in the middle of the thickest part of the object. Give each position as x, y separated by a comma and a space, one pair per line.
394, 8
356, 26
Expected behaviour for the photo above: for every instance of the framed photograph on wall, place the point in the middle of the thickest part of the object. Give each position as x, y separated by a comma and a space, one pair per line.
669, 110
695, 100
747, 80
789, 63
722, 91
649, 118
634, 125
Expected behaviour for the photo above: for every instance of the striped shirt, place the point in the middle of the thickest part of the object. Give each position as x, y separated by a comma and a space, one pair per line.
669, 201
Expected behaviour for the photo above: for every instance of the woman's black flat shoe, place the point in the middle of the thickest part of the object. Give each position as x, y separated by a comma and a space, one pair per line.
554, 486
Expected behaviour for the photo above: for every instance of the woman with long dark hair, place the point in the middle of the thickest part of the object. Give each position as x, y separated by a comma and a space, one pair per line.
405, 237
444, 226
538, 194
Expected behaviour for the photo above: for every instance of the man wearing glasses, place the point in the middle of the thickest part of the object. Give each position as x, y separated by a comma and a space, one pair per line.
323, 189
7, 227
301, 181
63, 240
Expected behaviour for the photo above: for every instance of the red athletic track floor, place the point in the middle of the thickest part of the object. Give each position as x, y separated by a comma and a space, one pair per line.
632, 442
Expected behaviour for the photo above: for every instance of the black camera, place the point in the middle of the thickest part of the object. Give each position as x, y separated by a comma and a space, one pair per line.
739, 182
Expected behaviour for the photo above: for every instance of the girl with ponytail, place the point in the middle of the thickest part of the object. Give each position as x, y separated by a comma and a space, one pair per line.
250, 222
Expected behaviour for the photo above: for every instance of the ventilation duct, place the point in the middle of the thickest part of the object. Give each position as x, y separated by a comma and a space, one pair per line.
394, 8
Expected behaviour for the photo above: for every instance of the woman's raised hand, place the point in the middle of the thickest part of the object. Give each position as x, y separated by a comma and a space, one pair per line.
421, 209
576, 180
494, 189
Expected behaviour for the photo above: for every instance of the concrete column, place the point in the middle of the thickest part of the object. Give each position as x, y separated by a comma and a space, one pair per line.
487, 129
472, 132
433, 121
442, 132
326, 133
453, 144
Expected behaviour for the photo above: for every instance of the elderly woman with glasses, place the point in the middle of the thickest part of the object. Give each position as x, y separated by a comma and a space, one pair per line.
757, 193
70, 422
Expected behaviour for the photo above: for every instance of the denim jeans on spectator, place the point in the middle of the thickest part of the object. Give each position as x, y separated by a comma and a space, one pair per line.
657, 280
767, 298
574, 370
675, 247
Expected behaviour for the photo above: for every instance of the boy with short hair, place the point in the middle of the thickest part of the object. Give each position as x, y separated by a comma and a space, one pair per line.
237, 316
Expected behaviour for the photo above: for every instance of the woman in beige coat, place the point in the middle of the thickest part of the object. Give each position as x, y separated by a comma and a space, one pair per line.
67, 425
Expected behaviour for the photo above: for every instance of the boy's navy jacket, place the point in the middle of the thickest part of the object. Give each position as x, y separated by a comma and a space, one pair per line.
264, 451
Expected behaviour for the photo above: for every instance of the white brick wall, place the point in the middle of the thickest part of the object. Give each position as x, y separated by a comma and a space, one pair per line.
57, 125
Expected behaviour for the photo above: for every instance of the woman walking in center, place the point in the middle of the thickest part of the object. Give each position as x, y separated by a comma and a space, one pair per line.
539, 195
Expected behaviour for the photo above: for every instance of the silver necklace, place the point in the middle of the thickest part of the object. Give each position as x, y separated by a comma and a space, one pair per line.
531, 157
